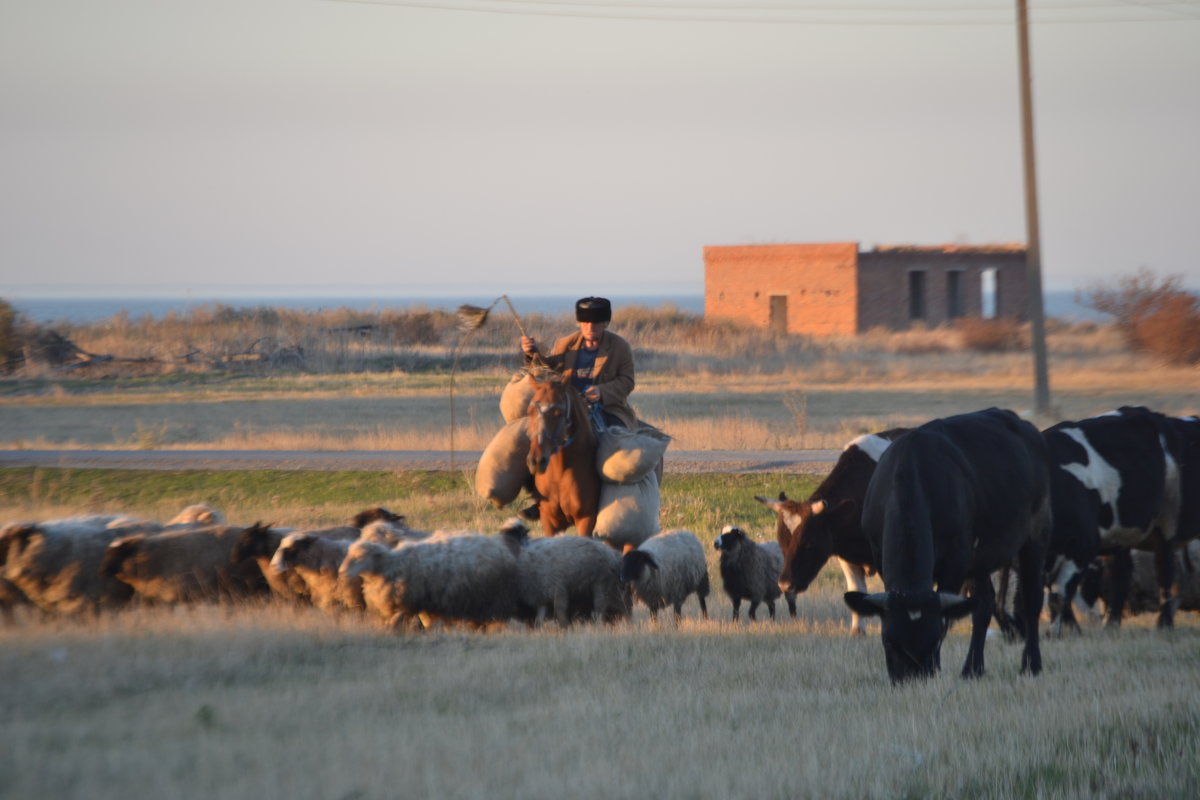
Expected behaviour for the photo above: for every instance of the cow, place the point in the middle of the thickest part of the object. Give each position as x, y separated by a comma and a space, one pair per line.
1114, 485
951, 502
827, 523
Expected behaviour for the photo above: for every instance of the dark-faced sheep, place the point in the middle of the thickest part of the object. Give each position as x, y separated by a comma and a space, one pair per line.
192, 564
665, 569
260, 543
468, 578
750, 571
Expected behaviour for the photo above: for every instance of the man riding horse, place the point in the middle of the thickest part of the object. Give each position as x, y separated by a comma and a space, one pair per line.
598, 362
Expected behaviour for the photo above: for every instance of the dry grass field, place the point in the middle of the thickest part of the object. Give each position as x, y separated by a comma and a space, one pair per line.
382, 380
270, 702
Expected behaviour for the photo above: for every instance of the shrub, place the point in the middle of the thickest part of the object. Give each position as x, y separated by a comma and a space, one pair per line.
1155, 315
990, 335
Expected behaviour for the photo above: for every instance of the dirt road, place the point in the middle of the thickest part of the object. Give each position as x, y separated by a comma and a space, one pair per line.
786, 461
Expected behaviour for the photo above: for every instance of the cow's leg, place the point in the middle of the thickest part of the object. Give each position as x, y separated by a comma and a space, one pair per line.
981, 617
856, 581
1121, 576
1164, 569
1003, 618
1030, 562
1064, 583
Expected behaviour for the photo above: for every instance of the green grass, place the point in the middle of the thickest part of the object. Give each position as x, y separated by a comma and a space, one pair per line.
700, 502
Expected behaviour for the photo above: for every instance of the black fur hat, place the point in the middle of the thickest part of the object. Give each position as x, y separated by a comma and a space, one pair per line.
593, 309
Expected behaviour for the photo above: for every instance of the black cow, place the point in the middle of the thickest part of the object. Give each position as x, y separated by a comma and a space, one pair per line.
951, 502
828, 522
1115, 485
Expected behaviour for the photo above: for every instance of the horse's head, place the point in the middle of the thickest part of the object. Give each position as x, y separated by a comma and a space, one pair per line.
551, 420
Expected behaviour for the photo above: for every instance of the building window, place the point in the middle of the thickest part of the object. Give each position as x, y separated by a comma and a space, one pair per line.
916, 294
954, 293
990, 298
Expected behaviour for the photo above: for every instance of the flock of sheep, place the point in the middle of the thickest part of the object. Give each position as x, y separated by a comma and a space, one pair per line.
375, 564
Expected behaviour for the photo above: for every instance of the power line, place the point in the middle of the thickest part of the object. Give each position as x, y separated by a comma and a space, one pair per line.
692, 12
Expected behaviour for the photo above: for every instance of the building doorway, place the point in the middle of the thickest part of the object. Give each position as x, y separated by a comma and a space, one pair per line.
778, 322
954, 293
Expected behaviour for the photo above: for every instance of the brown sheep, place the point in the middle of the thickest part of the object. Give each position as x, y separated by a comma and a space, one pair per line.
185, 565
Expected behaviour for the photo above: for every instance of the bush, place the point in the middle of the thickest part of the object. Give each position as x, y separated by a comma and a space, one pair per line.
1154, 315
990, 335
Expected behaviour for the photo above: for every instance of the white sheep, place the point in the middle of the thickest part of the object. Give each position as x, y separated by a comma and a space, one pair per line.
314, 560
185, 564
198, 514
665, 569
570, 576
470, 578
750, 571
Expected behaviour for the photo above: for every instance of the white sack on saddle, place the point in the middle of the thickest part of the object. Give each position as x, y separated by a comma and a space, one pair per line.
514, 400
502, 469
628, 512
625, 456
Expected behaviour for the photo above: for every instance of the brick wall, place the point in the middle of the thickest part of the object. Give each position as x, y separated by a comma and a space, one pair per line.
818, 281
834, 290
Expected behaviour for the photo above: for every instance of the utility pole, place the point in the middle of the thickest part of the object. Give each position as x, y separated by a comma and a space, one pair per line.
1033, 253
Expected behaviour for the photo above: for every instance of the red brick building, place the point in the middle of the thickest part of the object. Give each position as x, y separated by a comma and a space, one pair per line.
837, 290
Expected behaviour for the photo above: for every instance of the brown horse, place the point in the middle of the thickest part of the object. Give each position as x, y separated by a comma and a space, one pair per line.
562, 457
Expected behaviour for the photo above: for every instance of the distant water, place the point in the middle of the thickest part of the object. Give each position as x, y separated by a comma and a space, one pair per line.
82, 310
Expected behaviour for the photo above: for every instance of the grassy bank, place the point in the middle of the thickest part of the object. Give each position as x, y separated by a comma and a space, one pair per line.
298, 498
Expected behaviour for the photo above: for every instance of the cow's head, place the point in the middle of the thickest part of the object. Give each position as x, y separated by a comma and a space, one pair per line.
805, 534
914, 625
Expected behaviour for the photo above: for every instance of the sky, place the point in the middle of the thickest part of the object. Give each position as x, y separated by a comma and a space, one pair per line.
293, 147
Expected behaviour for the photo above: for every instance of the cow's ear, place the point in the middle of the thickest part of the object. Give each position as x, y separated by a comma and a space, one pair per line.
867, 605
955, 606
817, 507
771, 504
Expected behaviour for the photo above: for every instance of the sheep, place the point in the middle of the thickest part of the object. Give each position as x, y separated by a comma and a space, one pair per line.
314, 561
665, 569
199, 513
750, 570
378, 514
55, 564
469, 577
572, 576
261, 542
186, 564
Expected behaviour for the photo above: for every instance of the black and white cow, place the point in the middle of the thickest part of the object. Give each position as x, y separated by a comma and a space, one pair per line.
951, 502
1115, 485
828, 522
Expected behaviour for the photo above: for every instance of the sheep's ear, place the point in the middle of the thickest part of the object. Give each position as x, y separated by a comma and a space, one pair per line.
782, 497
650, 561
